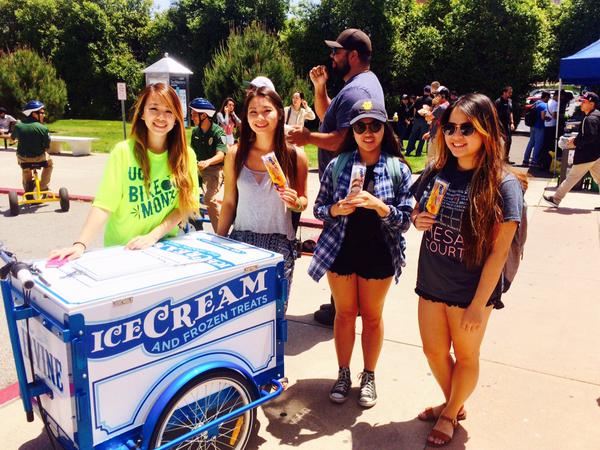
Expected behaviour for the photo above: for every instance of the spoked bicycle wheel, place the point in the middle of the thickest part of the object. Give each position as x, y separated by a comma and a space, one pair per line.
201, 401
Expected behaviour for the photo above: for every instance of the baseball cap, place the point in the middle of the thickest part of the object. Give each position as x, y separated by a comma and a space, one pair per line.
367, 108
591, 97
352, 39
404, 96
427, 88
259, 82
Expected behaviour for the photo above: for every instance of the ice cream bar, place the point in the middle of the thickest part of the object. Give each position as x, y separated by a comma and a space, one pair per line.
274, 169
437, 195
357, 177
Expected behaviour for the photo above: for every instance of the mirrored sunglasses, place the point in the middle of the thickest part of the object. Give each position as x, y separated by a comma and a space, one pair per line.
361, 127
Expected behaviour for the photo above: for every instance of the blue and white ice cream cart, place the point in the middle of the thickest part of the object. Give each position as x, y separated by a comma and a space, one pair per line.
170, 347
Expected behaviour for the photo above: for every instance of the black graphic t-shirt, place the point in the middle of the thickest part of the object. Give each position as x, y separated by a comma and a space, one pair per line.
442, 275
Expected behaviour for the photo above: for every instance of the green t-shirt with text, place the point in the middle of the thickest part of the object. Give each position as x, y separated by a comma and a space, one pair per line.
134, 210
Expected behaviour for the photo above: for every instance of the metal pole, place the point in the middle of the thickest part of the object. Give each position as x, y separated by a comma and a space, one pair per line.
123, 116
557, 123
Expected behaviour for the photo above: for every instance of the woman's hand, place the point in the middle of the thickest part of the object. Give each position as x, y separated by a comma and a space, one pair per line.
472, 318
289, 197
141, 242
364, 199
341, 208
71, 253
423, 221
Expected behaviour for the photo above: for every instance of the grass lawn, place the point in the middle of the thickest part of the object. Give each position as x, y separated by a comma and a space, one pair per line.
109, 132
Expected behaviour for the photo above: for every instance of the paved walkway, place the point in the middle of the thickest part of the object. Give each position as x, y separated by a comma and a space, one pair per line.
540, 365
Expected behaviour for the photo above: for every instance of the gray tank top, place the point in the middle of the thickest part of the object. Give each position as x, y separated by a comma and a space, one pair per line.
259, 207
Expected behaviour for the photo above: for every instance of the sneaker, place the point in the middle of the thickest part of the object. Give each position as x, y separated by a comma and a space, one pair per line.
525, 164
340, 390
368, 396
550, 199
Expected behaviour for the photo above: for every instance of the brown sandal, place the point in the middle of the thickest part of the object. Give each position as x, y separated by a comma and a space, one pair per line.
427, 414
440, 435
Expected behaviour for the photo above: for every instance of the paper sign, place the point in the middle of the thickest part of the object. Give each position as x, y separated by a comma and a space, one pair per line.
121, 91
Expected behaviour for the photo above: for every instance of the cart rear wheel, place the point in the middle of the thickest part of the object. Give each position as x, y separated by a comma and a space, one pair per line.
64, 199
13, 202
203, 400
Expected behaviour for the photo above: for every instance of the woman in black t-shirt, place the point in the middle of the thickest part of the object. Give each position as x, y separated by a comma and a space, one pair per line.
469, 207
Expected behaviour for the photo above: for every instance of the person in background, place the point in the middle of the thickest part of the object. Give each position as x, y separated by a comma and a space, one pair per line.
298, 112
420, 126
209, 145
228, 120
404, 116
440, 100
7, 122
150, 183
34, 142
587, 149
362, 245
504, 108
467, 235
259, 211
536, 137
550, 124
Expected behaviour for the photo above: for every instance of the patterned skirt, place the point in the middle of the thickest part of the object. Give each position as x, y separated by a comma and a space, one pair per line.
278, 243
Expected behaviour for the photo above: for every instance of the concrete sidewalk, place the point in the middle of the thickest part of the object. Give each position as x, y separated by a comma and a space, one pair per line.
540, 366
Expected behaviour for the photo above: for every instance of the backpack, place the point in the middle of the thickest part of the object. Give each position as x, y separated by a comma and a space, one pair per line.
517, 246
532, 115
392, 165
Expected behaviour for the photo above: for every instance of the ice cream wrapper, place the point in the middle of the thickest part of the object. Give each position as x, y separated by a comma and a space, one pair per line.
357, 178
434, 203
275, 170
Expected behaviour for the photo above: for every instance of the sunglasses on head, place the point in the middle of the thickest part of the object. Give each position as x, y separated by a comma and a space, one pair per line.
466, 129
361, 127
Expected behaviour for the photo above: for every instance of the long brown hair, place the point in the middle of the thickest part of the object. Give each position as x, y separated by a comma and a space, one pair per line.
484, 212
176, 147
286, 155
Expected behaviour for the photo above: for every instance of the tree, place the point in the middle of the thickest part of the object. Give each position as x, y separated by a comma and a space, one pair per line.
24, 76
93, 44
245, 55
575, 25
476, 45
192, 30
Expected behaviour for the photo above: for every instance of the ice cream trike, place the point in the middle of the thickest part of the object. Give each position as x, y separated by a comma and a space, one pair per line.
170, 347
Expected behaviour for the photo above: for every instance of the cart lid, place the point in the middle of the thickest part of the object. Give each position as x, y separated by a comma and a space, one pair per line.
115, 272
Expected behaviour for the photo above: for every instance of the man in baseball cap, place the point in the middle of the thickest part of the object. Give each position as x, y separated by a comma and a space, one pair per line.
587, 149
350, 57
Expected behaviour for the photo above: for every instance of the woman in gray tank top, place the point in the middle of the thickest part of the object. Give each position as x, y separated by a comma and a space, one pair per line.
261, 213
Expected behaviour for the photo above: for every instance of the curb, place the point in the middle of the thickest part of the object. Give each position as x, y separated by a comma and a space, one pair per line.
9, 393
73, 197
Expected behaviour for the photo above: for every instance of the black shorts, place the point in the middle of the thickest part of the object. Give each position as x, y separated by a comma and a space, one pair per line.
372, 262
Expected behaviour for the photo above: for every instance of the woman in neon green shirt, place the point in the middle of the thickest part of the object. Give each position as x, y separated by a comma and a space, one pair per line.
149, 183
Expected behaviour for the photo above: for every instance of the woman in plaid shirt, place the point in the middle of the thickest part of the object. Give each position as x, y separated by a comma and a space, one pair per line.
362, 248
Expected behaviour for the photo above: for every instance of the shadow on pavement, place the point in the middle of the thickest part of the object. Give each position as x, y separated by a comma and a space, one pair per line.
42, 442
304, 333
304, 413
567, 211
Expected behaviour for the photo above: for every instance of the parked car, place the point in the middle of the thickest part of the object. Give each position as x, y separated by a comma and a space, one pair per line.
536, 94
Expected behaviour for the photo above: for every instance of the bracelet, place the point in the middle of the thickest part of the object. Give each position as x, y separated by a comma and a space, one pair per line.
81, 243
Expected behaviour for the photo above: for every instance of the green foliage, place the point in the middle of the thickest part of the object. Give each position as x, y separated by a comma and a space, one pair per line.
472, 45
93, 44
25, 76
192, 30
245, 55
575, 25
304, 34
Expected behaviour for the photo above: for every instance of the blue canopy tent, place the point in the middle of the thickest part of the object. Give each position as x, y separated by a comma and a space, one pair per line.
582, 68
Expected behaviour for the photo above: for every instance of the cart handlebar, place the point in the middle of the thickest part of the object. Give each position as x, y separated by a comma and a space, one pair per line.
19, 270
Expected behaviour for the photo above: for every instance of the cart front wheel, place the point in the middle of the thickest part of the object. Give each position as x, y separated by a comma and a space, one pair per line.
64, 199
201, 401
13, 202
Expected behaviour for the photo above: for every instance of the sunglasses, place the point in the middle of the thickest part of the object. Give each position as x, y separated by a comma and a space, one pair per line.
361, 127
466, 129
335, 50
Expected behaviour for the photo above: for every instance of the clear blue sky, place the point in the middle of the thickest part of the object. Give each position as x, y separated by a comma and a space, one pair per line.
162, 4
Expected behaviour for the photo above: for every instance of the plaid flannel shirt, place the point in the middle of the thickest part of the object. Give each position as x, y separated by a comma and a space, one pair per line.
397, 222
